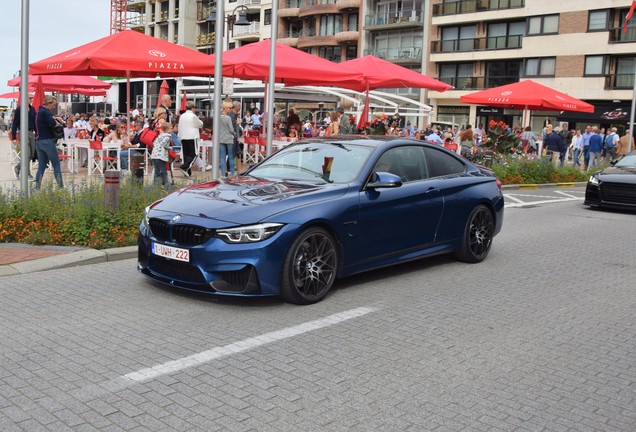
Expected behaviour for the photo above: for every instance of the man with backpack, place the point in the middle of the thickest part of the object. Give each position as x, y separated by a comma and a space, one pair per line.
611, 140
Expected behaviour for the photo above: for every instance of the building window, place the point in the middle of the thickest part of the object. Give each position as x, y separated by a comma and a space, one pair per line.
598, 20
459, 75
543, 66
624, 72
352, 22
547, 24
595, 65
502, 73
352, 52
330, 53
267, 17
505, 35
458, 38
393, 45
330, 25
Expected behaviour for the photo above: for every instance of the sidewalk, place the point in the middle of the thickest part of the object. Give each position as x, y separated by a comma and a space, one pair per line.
22, 259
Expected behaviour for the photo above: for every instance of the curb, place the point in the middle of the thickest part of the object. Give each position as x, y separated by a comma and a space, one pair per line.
544, 185
71, 259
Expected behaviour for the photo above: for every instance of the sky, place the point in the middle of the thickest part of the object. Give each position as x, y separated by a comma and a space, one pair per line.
54, 26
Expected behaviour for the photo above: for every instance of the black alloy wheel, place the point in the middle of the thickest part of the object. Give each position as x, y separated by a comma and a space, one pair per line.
478, 235
310, 267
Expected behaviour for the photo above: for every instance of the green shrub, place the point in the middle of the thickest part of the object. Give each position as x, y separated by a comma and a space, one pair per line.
518, 170
75, 215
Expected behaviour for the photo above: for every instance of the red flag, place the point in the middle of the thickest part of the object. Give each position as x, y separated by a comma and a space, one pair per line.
184, 100
629, 16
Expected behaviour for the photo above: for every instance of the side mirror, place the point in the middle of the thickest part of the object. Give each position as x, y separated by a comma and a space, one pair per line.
382, 180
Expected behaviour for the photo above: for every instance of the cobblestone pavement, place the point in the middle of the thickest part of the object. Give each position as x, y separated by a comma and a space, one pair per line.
540, 336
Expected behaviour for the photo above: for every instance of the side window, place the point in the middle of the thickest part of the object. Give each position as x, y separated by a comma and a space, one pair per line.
407, 162
441, 164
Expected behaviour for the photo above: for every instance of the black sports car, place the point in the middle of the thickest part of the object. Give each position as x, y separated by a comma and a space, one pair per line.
615, 186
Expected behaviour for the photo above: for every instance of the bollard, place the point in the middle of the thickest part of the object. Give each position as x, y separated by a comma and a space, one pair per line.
137, 166
111, 189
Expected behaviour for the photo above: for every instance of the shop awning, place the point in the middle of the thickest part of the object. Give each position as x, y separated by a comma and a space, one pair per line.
603, 113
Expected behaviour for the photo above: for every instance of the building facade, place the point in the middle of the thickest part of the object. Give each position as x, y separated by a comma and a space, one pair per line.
575, 46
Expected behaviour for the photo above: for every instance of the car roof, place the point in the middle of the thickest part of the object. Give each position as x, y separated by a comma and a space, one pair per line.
363, 140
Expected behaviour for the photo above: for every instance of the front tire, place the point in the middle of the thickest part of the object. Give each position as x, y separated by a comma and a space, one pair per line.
310, 267
478, 235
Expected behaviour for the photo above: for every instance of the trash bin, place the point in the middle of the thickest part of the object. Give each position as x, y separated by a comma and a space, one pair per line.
137, 165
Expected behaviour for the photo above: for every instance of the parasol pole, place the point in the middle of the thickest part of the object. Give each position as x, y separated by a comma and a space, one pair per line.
630, 140
24, 104
272, 78
218, 89
128, 112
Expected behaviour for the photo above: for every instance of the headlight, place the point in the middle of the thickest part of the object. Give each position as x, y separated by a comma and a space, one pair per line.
593, 180
248, 234
146, 220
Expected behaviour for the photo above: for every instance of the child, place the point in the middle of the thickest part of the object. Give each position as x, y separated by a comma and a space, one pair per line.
159, 153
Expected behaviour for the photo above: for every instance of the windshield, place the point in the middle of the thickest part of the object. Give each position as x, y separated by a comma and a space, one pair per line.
322, 162
627, 161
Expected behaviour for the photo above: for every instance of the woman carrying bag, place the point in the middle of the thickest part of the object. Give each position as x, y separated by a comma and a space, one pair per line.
45, 142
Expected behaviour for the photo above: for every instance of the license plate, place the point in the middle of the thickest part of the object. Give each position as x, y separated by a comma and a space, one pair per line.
171, 252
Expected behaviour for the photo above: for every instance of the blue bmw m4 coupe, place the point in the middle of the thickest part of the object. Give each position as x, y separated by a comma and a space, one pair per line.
319, 210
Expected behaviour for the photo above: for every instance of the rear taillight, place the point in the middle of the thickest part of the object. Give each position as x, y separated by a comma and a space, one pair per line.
499, 184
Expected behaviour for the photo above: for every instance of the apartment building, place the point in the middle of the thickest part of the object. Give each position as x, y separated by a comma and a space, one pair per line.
575, 46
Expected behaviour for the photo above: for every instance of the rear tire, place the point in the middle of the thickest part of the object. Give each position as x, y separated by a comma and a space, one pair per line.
310, 267
478, 235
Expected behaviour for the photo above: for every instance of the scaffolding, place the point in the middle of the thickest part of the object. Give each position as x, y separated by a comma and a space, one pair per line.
118, 10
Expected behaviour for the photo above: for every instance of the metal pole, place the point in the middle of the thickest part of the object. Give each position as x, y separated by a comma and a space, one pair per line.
218, 87
630, 140
272, 78
24, 102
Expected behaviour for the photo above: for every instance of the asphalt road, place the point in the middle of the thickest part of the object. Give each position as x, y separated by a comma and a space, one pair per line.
540, 336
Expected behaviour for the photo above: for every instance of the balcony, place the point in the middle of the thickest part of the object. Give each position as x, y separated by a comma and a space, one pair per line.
289, 13
471, 6
404, 19
317, 7
135, 22
205, 39
616, 35
347, 37
289, 37
344, 5
247, 32
136, 5
309, 38
401, 55
477, 44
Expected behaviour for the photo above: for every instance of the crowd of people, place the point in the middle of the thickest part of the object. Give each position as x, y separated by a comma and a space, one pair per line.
180, 131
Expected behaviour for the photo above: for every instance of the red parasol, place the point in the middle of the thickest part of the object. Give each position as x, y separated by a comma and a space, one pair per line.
527, 95
292, 65
184, 100
10, 95
127, 53
58, 82
374, 73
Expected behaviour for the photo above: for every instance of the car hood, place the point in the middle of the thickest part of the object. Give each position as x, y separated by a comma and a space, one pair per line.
618, 174
245, 199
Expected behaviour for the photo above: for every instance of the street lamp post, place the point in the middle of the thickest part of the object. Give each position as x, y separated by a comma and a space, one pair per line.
218, 78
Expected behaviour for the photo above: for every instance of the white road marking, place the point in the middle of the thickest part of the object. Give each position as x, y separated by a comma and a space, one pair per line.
150, 373
566, 194
509, 196
542, 202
